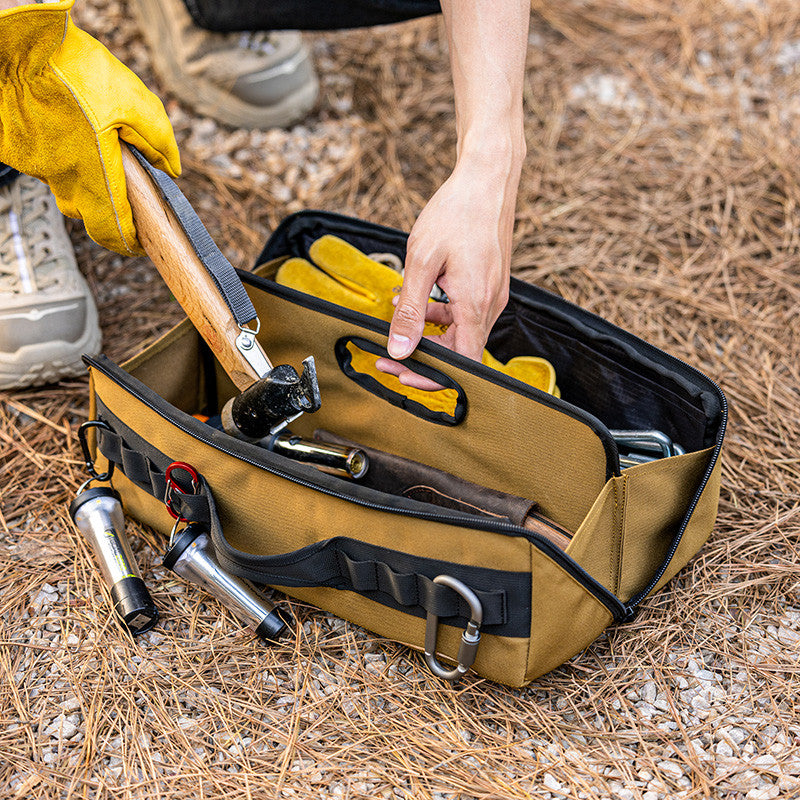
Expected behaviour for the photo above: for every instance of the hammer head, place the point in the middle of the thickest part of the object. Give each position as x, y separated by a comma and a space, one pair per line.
272, 402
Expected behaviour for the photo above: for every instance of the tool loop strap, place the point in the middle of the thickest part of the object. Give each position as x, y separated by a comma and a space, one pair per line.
218, 267
418, 590
402, 581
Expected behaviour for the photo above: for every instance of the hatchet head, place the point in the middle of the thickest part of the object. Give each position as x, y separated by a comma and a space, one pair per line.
272, 402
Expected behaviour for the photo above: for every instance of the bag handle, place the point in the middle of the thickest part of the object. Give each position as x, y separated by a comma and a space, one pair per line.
202, 280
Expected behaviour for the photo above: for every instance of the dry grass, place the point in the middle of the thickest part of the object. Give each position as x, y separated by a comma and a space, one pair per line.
661, 191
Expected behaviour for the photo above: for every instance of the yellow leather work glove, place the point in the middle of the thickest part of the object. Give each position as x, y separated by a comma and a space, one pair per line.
345, 276
65, 102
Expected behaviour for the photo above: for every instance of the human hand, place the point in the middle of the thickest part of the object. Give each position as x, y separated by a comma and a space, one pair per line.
462, 241
65, 103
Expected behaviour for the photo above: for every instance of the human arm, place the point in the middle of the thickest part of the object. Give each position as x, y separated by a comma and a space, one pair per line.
462, 238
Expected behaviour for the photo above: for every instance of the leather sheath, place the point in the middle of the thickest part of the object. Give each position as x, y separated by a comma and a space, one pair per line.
393, 474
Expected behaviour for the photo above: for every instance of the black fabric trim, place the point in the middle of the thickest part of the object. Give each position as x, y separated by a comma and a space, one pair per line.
370, 384
295, 234
392, 578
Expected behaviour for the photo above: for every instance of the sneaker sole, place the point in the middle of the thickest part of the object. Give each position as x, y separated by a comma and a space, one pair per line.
211, 101
38, 364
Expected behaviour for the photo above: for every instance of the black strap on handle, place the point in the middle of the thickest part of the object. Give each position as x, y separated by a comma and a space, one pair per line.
398, 580
218, 267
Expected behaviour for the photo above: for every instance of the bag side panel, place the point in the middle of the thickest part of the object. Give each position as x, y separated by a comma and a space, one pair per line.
657, 500
699, 528
597, 544
174, 365
565, 618
628, 532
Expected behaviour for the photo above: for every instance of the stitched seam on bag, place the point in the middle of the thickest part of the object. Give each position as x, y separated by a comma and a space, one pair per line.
577, 583
613, 555
619, 532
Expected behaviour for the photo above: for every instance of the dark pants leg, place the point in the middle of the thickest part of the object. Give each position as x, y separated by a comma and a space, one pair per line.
7, 174
304, 15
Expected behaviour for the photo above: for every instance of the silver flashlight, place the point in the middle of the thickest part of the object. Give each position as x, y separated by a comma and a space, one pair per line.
97, 514
192, 556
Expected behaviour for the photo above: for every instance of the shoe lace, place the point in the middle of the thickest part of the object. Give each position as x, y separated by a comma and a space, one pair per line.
32, 226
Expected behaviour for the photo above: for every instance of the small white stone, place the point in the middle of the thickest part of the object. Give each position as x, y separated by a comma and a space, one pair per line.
765, 762
62, 728
646, 709
724, 749
661, 702
789, 783
551, 782
670, 768
70, 705
764, 793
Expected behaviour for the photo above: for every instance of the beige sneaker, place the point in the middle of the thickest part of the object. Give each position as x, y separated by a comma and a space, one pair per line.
248, 80
47, 315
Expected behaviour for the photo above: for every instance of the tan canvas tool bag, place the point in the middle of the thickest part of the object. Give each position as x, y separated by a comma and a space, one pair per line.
377, 559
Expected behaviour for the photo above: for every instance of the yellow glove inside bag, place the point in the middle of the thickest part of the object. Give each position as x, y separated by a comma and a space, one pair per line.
344, 275
65, 102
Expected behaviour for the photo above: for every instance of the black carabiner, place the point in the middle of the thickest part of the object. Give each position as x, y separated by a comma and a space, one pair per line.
87, 456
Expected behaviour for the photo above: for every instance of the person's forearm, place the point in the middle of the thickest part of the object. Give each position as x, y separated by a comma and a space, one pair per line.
488, 41
6, 4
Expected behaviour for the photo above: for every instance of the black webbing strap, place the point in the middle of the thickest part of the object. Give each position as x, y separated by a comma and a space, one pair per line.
395, 579
218, 267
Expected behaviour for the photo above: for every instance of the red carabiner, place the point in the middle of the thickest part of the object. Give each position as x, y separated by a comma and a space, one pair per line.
173, 486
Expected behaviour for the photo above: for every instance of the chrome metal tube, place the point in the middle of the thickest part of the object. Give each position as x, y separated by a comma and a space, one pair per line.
192, 557
97, 514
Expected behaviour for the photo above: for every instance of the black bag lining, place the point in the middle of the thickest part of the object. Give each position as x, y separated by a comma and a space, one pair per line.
622, 392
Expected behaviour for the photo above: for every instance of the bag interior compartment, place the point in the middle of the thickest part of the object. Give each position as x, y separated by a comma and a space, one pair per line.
621, 380
507, 442
607, 373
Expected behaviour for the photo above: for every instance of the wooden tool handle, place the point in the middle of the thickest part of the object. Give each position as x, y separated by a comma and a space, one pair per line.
169, 249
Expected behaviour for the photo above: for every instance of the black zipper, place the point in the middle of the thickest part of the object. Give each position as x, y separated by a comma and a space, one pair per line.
609, 600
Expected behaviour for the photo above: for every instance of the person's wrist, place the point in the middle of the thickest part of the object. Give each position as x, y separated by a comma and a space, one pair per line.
493, 148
